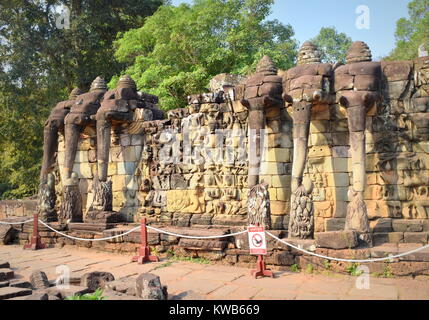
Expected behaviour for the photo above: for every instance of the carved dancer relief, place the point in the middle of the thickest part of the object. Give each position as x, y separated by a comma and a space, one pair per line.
358, 101
304, 91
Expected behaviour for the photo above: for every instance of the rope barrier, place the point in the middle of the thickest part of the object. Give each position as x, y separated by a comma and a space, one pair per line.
82, 239
348, 260
390, 258
13, 223
195, 237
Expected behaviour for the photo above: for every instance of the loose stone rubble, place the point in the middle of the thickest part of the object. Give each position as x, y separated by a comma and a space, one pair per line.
146, 287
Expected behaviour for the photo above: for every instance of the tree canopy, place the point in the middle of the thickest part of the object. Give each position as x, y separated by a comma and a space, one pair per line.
333, 45
40, 64
179, 49
412, 32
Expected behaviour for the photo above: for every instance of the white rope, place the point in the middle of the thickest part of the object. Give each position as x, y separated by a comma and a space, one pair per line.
391, 257
194, 237
348, 260
82, 239
12, 223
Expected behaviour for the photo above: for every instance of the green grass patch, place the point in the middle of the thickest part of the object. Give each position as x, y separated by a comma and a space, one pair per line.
97, 295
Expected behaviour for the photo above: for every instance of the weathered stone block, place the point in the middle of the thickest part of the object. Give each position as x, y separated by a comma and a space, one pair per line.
149, 287
336, 239
280, 181
407, 226
319, 126
95, 280
278, 155
126, 168
383, 225
319, 151
416, 237
12, 292
6, 274
83, 170
338, 180
279, 208
20, 284
335, 224
281, 259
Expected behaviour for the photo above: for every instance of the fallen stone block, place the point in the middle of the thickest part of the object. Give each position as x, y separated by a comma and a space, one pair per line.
148, 287
11, 292
21, 284
7, 234
39, 280
96, 279
4, 264
6, 274
337, 239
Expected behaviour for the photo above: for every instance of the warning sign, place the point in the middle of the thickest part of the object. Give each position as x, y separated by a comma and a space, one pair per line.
257, 243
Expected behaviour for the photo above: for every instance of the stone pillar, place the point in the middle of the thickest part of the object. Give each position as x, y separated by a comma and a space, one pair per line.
262, 90
304, 86
364, 76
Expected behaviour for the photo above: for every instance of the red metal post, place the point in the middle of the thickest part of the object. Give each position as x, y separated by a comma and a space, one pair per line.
144, 251
35, 240
261, 270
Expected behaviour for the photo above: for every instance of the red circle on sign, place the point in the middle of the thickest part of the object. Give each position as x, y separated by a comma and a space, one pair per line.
257, 240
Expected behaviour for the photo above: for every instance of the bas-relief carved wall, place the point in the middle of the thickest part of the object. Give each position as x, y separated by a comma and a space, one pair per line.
193, 167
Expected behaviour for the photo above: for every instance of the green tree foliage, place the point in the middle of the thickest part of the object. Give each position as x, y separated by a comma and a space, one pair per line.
412, 32
333, 45
40, 64
179, 49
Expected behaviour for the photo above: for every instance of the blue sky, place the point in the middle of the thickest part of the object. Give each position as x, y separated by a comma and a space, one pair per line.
308, 16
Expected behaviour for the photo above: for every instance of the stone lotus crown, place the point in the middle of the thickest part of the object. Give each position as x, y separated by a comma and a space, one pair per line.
75, 92
266, 65
308, 54
127, 82
359, 52
98, 84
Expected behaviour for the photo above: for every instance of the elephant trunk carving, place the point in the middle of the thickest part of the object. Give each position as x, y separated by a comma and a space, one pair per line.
363, 97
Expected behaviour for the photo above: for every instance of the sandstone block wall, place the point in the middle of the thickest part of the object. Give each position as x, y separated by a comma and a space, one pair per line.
191, 169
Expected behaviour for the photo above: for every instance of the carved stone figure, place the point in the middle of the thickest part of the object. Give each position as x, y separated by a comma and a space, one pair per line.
71, 206
81, 116
258, 206
116, 110
304, 86
47, 199
358, 100
262, 90
53, 126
